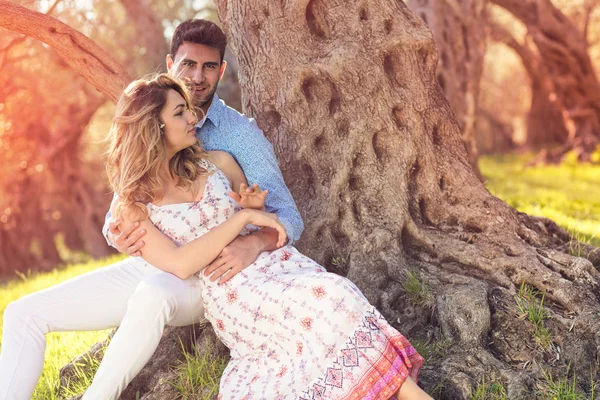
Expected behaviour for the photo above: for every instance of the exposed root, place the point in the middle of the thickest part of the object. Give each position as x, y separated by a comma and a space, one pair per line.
509, 261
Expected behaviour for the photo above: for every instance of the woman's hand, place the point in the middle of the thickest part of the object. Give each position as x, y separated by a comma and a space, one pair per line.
265, 219
250, 197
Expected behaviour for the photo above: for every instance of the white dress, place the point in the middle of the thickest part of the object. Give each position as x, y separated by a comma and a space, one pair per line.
294, 330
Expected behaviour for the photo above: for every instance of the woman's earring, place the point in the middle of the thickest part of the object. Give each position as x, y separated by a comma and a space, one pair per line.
161, 126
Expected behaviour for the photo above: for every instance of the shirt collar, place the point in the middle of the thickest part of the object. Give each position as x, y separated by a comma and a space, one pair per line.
214, 111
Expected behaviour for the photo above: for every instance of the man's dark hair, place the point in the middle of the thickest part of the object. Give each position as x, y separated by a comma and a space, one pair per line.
199, 31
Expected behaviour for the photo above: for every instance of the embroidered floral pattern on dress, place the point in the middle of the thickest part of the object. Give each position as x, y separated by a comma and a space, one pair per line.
295, 331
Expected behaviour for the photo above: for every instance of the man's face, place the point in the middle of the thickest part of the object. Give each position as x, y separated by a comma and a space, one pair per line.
202, 69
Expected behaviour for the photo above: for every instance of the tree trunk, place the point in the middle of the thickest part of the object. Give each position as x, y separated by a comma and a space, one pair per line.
546, 125
82, 201
373, 155
459, 31
564, 51
493, 134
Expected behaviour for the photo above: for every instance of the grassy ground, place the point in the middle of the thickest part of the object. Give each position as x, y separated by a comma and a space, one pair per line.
568, 194
62, 346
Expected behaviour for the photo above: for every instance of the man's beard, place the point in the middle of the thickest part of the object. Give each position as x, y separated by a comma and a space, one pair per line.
200, 101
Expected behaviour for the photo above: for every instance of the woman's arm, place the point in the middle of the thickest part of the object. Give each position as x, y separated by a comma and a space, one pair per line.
226, 163
186, 260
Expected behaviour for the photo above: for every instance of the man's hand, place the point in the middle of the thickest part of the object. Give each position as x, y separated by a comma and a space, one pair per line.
127, 241
250, 197
240, 253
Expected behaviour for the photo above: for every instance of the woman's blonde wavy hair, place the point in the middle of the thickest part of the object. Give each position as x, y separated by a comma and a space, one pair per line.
137, 150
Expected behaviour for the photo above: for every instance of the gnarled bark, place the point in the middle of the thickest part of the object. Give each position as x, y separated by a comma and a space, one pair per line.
459, 31
374, 157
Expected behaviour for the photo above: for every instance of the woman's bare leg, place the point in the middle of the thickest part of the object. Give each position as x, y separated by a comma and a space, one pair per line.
410, 391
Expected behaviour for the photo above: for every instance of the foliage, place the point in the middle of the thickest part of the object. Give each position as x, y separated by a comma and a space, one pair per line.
83, 375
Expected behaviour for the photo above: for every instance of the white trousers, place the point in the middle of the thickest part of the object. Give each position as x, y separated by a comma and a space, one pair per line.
130, 294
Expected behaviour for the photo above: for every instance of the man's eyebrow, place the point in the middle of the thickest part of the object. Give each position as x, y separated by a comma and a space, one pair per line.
188, 61
179, 105
212, 63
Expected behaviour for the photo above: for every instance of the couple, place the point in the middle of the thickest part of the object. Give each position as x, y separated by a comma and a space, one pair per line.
294, 330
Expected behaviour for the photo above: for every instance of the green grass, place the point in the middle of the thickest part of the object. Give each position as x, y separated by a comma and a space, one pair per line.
198, 375
529, 307
593, 384
61, 346
82, 377
559, 389
568, 194
432, 350
417, 290
489, 390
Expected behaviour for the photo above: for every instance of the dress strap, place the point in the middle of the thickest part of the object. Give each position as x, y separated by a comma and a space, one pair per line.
207, 165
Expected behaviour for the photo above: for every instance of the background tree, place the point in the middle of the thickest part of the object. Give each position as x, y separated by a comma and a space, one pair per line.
459, 32
54, 120
546, 125
374, 157
563, 47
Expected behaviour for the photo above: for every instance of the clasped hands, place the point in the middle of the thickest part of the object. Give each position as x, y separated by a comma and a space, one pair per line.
244, 250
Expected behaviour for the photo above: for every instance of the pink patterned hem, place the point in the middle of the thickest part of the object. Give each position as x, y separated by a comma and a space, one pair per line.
373, 366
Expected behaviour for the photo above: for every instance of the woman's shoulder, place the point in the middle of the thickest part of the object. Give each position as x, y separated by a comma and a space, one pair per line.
228, 165
221, 159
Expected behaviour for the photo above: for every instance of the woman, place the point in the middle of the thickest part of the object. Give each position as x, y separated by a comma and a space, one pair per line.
294, 330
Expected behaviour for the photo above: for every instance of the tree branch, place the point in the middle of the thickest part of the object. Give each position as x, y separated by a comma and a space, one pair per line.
78, 51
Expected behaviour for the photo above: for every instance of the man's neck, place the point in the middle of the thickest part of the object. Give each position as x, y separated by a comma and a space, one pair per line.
206, 106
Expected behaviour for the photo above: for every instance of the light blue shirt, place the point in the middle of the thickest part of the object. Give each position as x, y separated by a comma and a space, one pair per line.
228, 130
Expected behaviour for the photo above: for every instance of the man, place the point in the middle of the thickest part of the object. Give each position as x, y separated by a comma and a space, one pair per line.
132, 294
197, 50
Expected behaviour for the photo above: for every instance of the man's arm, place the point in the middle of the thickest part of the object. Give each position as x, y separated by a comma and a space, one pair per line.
108, 220
260, 165
256, 157
126, 240
183, 261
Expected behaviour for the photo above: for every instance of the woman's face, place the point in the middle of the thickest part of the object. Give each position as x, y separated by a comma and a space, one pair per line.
179, 124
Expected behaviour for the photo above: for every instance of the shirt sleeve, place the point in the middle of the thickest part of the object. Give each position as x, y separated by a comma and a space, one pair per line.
107, 220
258, 161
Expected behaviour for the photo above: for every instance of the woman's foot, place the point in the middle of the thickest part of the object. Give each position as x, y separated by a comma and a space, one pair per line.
410, 391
